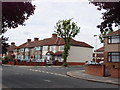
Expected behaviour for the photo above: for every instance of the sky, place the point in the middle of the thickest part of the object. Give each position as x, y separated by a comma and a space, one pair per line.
48, 12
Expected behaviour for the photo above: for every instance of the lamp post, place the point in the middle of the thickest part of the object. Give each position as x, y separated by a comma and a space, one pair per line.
95, 47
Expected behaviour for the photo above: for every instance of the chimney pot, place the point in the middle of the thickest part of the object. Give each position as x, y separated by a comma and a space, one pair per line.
28, 40
54, 35
36, 39
12, 43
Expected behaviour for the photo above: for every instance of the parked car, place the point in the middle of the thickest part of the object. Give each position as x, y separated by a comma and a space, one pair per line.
91, 62
101, 62
38, 60
49, 62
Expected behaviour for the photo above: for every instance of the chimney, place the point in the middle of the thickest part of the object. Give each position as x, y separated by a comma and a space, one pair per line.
36, 39
12, 43
28, 40
54, 35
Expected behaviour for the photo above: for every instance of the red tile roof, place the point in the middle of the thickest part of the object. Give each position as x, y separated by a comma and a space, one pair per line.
11, 48
22, 45
54, 41
57, 53
117, 32
100, 49
50, 52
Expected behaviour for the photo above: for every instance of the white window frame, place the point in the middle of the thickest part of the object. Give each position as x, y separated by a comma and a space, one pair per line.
45, 48
61, 48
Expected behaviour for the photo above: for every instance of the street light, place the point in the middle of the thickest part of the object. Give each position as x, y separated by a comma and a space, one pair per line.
95, 47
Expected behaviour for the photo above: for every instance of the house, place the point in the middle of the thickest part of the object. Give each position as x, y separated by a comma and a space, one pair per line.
112, 53
10, 50
111, 66
98, 54
53, 48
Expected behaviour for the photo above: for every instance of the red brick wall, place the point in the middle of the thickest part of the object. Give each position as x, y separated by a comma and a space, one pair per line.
97, 70
58, 63
115, 72
76, 63
10, 62
28, 63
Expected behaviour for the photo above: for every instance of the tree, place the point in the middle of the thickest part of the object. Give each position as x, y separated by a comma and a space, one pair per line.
111, 16
4, 45
67, 30
13, 15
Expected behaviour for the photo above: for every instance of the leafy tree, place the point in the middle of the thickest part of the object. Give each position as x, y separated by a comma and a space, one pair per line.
111, 16
107, 31
4, 45
13, 15
67, 30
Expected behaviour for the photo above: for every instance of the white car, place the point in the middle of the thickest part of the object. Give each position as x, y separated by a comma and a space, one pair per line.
101, 62
91, 62
40, 60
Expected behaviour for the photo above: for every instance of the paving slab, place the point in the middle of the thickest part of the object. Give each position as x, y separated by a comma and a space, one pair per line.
80, 74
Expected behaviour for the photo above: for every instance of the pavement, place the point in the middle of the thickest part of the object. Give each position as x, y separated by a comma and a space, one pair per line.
80, 74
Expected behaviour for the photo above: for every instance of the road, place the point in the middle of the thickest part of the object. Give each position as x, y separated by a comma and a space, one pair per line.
45, 77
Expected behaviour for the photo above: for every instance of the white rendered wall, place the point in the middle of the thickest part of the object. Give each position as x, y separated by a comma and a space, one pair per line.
80, 54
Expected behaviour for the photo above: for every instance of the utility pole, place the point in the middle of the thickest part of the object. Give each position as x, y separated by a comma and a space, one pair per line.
95, 47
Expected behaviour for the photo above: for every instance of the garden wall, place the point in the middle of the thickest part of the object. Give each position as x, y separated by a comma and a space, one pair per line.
76, 63
31, 63
95, 69
115, 72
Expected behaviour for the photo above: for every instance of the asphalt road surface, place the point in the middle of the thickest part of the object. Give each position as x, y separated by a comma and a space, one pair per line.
45, 77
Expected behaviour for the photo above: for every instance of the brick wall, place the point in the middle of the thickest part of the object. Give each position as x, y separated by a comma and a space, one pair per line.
32, 63
27, 63
115, 72
97, 69
11, 62
76, 63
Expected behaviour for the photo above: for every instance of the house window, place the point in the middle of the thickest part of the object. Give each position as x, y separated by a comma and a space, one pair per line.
45, 48
37, 57
114, 57
26, 57
44, 57
52, 48
21, 57
38, 48
26, 49
114, 39
61, 48
22, 50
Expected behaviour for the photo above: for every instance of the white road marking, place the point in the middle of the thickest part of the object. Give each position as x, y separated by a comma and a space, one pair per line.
47, 72
47, 80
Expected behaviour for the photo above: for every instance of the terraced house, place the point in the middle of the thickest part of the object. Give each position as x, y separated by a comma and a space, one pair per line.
53, 48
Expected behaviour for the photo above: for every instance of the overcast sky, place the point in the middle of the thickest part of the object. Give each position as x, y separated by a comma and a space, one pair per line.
48, 12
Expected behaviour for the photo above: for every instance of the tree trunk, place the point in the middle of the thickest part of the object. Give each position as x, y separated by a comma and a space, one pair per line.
66, 52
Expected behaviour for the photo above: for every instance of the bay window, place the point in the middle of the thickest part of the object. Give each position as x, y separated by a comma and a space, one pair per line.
114, 57
114, 39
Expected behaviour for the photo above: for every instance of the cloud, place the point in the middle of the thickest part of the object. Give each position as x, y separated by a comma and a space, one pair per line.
48, 12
